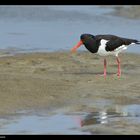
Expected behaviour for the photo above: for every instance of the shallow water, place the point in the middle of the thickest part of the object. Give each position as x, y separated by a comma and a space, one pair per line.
69, 123
51, 28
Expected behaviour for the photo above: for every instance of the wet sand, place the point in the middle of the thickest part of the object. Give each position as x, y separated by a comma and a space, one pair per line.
65, 81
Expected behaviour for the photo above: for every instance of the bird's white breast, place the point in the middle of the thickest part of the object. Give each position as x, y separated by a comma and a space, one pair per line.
101, 50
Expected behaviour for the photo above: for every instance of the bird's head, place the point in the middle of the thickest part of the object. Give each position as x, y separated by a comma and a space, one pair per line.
84, 39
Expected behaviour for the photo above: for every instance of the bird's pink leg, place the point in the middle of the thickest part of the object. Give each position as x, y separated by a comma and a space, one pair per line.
105, 67
119, 67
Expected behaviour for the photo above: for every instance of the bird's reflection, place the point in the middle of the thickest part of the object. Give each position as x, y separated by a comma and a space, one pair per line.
99, 117
110, 114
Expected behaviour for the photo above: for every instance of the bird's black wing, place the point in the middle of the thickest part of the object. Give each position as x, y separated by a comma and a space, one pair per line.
111, 45
115, 41
129, 41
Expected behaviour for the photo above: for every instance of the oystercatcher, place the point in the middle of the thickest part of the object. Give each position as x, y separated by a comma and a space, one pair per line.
105, 45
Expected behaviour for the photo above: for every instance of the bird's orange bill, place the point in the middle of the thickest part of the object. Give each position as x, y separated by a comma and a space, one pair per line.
76, 46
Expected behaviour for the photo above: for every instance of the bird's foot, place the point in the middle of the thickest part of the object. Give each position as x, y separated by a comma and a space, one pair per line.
105, 75
119, 75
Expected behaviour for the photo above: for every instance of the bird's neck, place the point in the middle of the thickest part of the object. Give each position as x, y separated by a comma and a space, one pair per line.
92, 47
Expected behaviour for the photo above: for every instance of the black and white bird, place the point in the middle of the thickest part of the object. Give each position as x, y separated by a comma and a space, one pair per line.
105, 45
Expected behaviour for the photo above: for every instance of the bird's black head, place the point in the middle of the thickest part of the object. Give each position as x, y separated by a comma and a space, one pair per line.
89, 41
86, 37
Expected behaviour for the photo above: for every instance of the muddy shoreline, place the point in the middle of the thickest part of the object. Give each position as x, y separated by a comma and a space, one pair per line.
46, 80
66, 82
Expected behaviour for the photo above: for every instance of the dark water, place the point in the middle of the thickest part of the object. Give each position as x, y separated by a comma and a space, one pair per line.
70, 122
51, 28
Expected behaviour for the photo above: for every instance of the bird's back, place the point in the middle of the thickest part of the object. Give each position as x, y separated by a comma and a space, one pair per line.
106, 37
125, 41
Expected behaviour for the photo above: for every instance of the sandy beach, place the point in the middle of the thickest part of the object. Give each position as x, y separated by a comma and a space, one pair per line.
62, 80
38, 80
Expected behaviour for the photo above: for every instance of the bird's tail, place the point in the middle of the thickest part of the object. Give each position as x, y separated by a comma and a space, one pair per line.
138, 42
